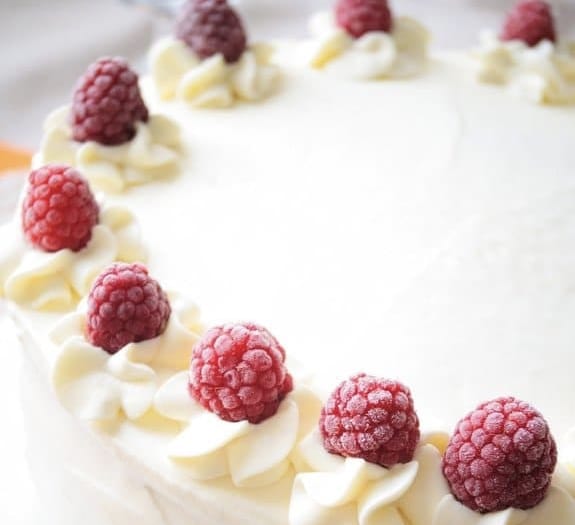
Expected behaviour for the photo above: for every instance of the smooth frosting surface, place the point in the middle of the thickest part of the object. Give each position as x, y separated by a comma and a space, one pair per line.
154, 152
543, 74
409, 234
211, 83
376, 55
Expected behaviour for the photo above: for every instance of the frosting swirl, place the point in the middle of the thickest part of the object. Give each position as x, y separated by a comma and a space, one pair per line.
355, 492
56, 281
96, 386
209, 447
543, 74
153, 153
376, 55
211, 83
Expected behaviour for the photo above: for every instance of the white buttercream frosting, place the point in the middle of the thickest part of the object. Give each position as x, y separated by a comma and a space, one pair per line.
251, 455
153, 153
355, 492
558, 508
464, 248
543, 74
211, 83
97, 386
57, 280
375, 55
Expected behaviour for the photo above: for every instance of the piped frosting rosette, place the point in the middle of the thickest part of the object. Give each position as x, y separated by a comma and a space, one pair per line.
153, 153
57, 280
98, 386
352, 491
250, 454
376, 55
543, 74
558, 508
178, 73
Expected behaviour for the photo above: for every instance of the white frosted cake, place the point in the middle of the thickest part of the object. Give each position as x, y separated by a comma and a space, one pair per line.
380, 213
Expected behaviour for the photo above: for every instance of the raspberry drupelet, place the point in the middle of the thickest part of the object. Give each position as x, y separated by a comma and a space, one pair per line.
501, 455
359, 17
238, 372
530, 21
125, 305
209, 27
370, 418
59, 210
107, 103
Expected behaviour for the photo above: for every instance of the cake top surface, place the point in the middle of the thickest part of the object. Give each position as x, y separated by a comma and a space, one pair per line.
415, 229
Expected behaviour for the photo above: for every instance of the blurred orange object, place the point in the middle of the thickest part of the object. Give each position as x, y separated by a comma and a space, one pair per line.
12, 158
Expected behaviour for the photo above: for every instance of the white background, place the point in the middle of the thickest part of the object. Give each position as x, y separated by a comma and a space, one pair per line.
47, 43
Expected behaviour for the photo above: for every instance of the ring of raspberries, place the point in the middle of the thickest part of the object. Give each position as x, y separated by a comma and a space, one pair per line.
237, 372
125, 305
501, 455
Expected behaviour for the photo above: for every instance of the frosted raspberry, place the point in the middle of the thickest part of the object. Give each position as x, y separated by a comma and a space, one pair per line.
238, 372
59, 210
370, 418
358, 17
530, 21
125, 306
209, 27
107, 103
501, 455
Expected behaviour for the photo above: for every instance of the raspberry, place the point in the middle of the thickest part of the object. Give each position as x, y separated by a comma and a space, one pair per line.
107, 103
370, 418
501, 455
530, 21
125, 306
358, 17
238, 373
209, 27
59, 209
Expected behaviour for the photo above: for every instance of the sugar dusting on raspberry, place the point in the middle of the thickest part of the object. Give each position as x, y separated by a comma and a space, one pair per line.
209, 27
501, 455
59, 210
359, 17
238, 372
530, 21
107, 103
125, 305
370, 418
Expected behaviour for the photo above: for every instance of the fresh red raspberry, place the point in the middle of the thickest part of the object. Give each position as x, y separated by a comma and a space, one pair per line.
370, 418
501, 455
358, 17
125, 306
59, 209
209, 27
238, 373
530, 21
107, 103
